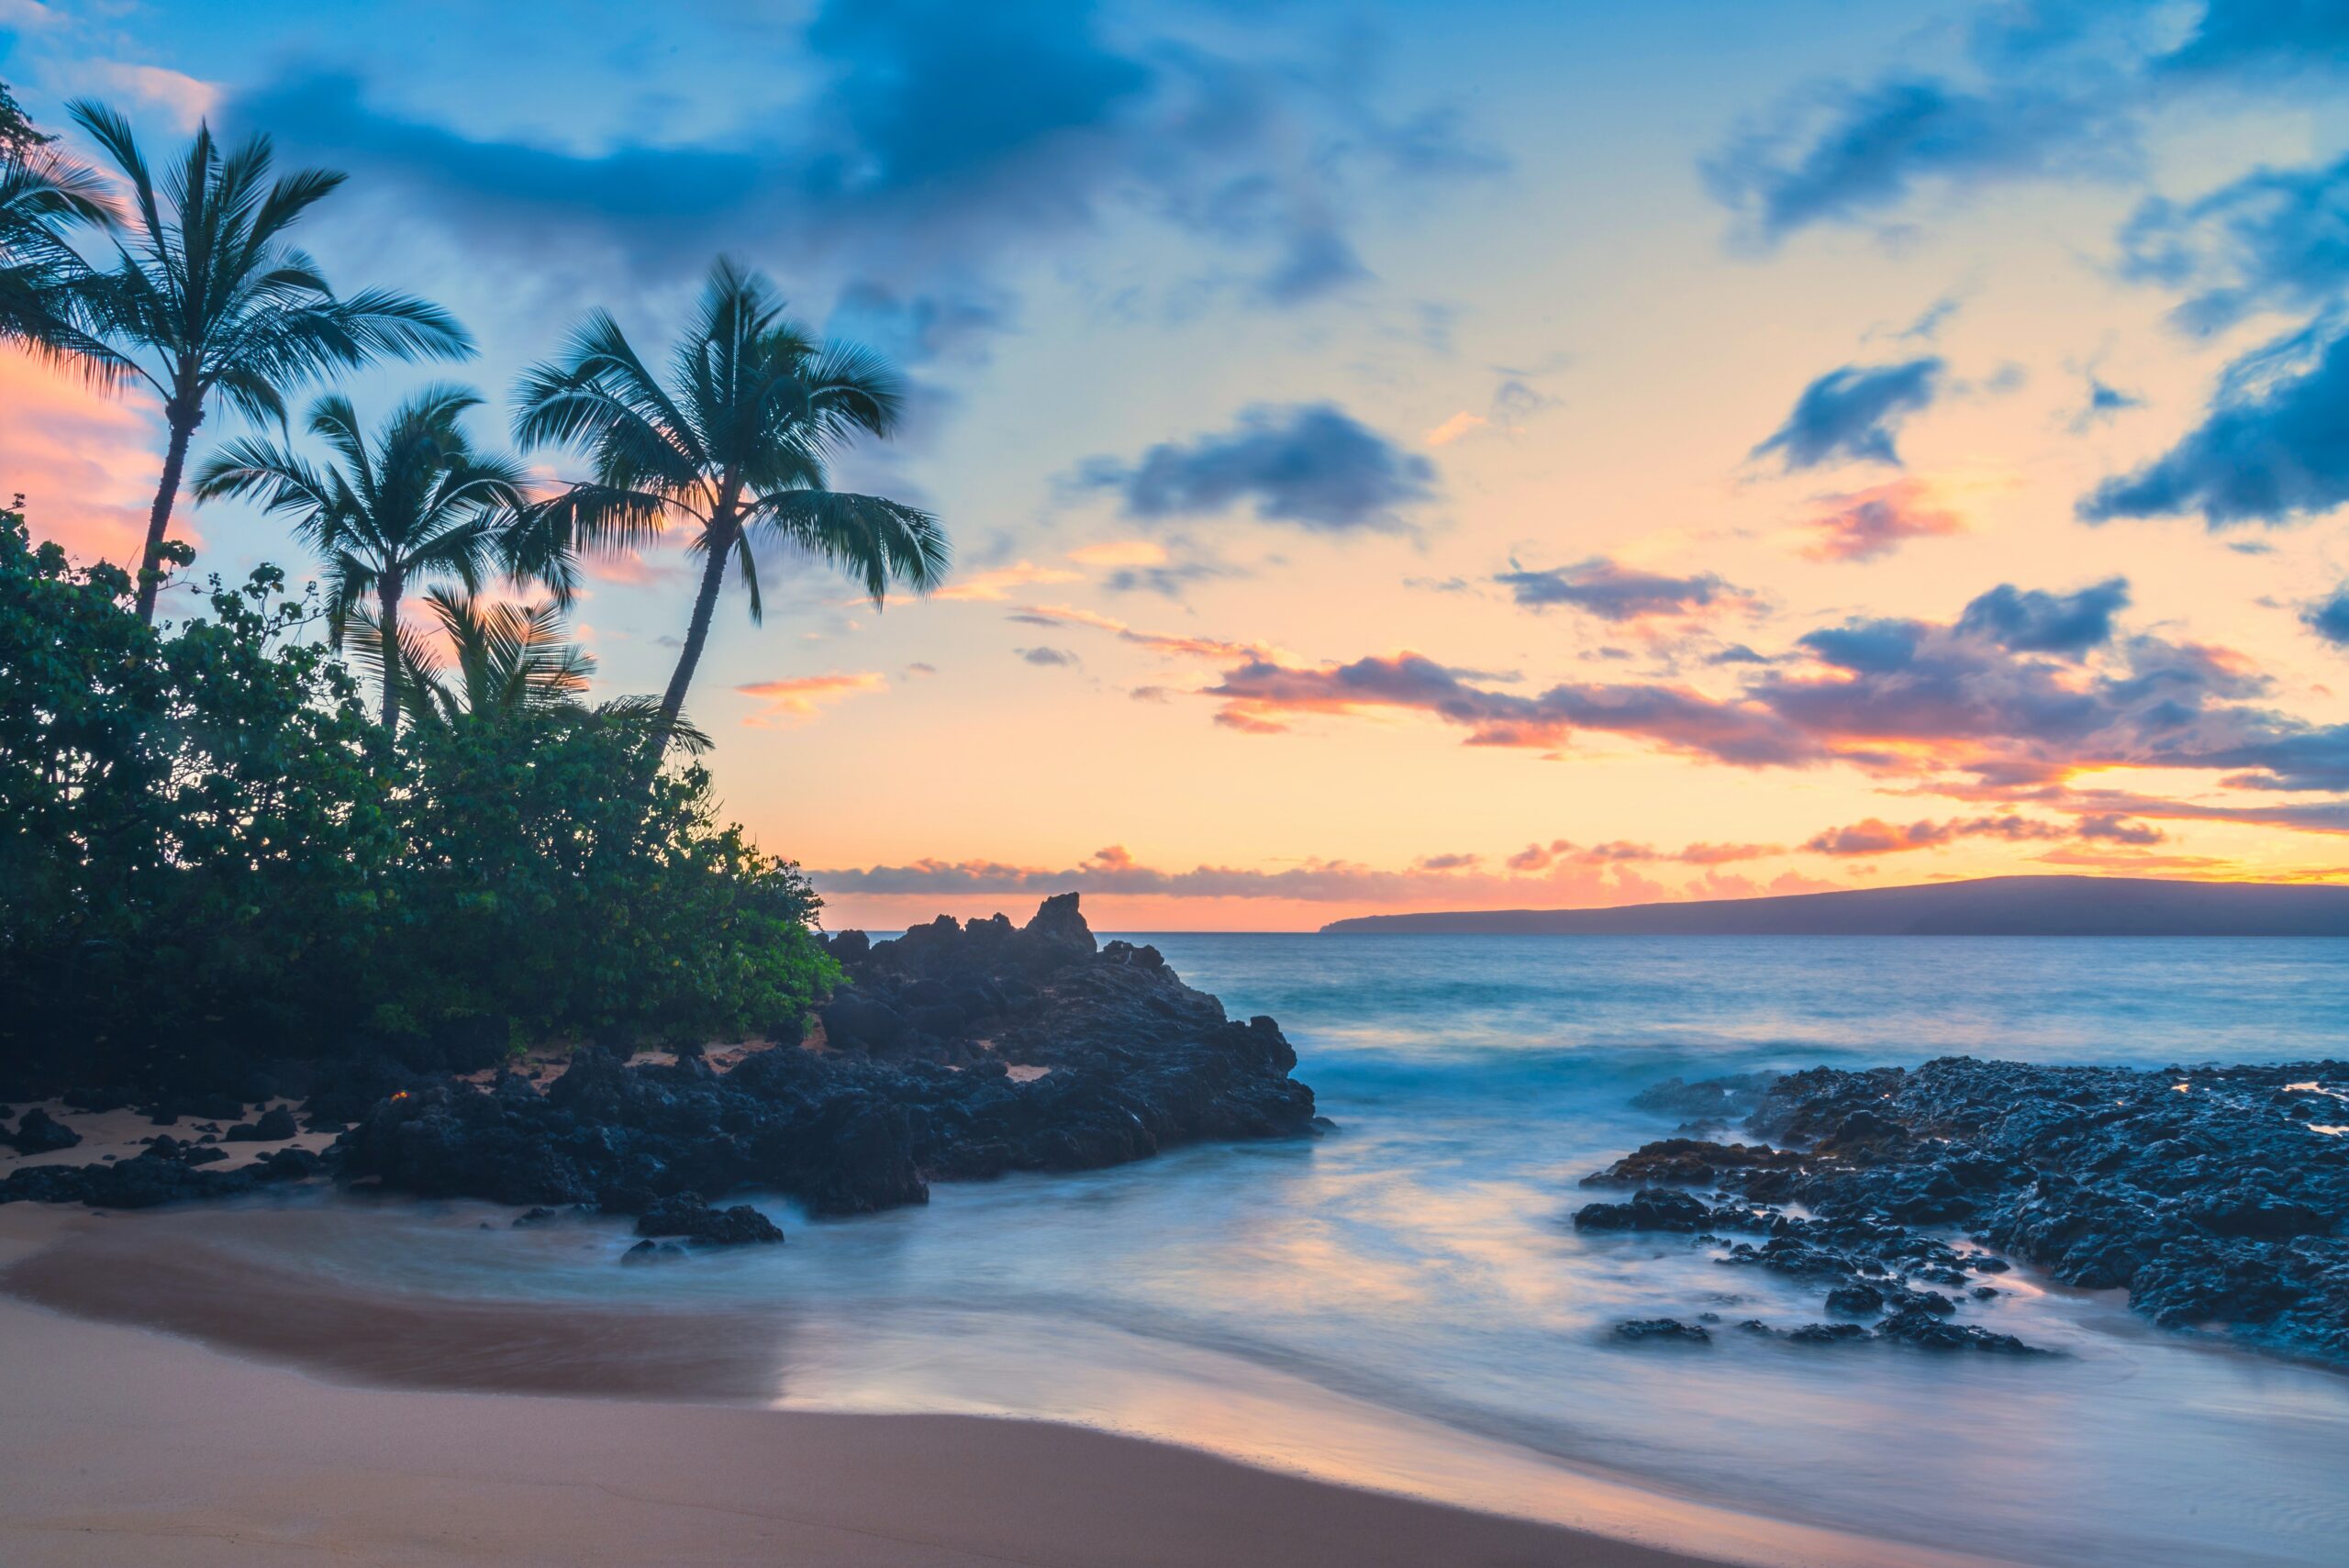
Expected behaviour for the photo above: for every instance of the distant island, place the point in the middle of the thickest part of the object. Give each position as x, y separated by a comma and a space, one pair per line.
1988, 907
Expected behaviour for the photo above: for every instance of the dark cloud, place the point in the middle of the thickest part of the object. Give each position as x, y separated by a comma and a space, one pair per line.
1257, 697
1171, 578
938, 141
2033, 621
1868, 647
2000, 705
2274, 448
1854, 414
2330, 619
1612, 592
1876, 836
1310, 465
1047, 657
1737, 653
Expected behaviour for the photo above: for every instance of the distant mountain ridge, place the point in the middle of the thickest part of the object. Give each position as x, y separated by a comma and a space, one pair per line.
1988, 907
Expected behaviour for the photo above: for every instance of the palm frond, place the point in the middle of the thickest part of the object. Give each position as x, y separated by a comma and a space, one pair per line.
874, 539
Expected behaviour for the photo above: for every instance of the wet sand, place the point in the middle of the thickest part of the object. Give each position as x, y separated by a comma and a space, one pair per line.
119, 1444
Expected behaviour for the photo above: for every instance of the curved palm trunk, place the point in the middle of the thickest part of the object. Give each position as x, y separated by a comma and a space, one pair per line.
159, 520
722, 535
387, 596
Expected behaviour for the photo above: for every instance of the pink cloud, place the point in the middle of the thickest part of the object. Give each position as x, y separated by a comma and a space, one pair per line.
86, 462
1868, 524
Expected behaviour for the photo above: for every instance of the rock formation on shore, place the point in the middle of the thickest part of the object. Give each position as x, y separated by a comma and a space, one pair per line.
2218, 1196
953, 1053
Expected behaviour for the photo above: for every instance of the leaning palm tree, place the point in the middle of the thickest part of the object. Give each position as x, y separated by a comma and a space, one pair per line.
44, 282
417, 503
734, 445
208, 303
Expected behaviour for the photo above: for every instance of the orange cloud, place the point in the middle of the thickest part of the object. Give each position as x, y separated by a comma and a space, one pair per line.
802, 697
1452, 430
997, 584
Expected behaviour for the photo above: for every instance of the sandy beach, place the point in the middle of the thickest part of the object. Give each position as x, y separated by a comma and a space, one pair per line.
120, 1444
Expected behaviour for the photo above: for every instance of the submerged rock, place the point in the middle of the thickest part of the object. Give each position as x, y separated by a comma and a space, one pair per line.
1662, 1330
686, 1214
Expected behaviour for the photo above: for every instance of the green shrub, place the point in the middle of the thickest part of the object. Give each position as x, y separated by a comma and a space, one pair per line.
210, 856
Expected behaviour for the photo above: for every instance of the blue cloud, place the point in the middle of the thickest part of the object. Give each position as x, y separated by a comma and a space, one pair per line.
1868, 647
2253, 37
2056, 89
940, 142
2104, 402
2273, 241
2035, 621
1869, 149
1854, 412
2330, 619
1614, 593
1312, 465
2274, 448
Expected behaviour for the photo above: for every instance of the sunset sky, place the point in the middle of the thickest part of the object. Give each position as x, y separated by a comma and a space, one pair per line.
1404, 456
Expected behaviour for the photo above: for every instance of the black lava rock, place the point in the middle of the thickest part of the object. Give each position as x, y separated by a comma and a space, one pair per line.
689, 1215
913, 1086
2207, 1192
1651, 1208
1662, 1330
654, 1253
40, 1133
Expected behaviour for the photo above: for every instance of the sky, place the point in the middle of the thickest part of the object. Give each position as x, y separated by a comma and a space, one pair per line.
1401, 456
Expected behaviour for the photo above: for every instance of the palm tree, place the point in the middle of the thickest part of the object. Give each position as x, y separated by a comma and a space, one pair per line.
735, 445
419, 502
207, 301
43, 280
503, 660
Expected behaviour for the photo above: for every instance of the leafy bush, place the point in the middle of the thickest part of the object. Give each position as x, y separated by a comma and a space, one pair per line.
210, 857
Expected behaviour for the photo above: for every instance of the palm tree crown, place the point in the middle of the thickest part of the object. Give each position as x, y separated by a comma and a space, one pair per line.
44, 283
417, 503
492, 662
734, 444
206, 301
502, 658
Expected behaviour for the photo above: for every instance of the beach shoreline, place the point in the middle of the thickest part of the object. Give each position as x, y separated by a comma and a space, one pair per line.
124, 1434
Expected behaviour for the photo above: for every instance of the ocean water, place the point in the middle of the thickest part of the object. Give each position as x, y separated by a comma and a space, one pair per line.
1403, 1304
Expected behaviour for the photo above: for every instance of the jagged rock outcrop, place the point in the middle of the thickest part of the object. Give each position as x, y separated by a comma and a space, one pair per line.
1119, 1058
2217, 1197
